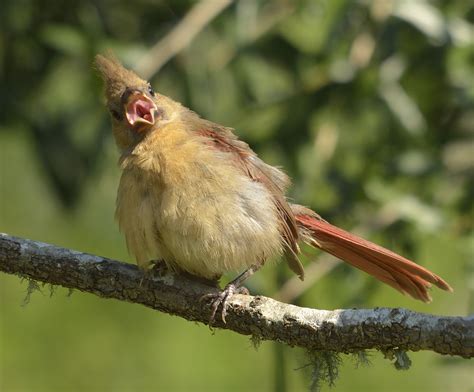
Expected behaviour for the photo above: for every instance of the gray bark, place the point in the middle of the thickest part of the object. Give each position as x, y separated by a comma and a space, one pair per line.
342, 330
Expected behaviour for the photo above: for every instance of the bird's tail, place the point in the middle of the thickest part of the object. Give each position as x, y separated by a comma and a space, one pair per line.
396, 271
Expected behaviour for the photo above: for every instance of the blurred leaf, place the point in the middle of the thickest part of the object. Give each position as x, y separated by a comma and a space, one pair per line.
407, 207
308, 29
266, 80
424, 16
64, 38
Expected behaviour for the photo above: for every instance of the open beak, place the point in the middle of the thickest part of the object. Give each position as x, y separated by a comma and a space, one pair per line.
140, 110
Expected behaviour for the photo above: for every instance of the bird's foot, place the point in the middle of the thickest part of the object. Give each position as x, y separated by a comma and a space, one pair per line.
222, 299
158, 268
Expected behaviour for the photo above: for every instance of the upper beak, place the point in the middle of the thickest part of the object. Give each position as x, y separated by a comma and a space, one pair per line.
139, 109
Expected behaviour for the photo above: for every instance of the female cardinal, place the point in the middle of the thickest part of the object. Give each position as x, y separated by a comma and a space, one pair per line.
195, 196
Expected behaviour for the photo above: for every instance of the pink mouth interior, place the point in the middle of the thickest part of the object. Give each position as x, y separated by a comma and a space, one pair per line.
141, 110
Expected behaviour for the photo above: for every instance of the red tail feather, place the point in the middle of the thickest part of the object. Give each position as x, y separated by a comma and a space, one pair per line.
392, 269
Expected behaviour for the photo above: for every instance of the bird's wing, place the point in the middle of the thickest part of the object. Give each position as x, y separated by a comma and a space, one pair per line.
272, 178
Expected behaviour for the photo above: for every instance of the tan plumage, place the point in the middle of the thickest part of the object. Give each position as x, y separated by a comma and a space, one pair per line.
195, 196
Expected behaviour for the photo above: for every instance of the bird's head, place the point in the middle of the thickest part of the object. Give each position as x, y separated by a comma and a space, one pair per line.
134, 107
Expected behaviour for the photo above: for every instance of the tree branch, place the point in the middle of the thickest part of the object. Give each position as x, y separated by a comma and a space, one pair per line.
345, 331
183, 33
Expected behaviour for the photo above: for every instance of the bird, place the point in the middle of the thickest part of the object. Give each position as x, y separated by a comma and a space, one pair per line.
196, 197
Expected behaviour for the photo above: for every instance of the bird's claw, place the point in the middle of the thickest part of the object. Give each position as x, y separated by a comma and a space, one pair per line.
158, 268
222, 298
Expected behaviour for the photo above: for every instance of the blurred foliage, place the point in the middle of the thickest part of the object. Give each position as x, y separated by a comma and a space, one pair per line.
368, 105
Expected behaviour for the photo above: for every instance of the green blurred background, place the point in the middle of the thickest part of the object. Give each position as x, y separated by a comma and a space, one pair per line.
368, 105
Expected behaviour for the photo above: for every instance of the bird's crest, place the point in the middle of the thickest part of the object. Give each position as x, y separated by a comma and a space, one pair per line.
116, 77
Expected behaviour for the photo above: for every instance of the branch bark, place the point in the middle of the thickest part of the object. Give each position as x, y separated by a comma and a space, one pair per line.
344, 331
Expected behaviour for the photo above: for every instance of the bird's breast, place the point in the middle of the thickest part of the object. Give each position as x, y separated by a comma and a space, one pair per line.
200, 213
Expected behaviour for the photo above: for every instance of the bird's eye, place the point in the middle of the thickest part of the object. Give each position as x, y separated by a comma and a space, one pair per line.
150, 90
115, 114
